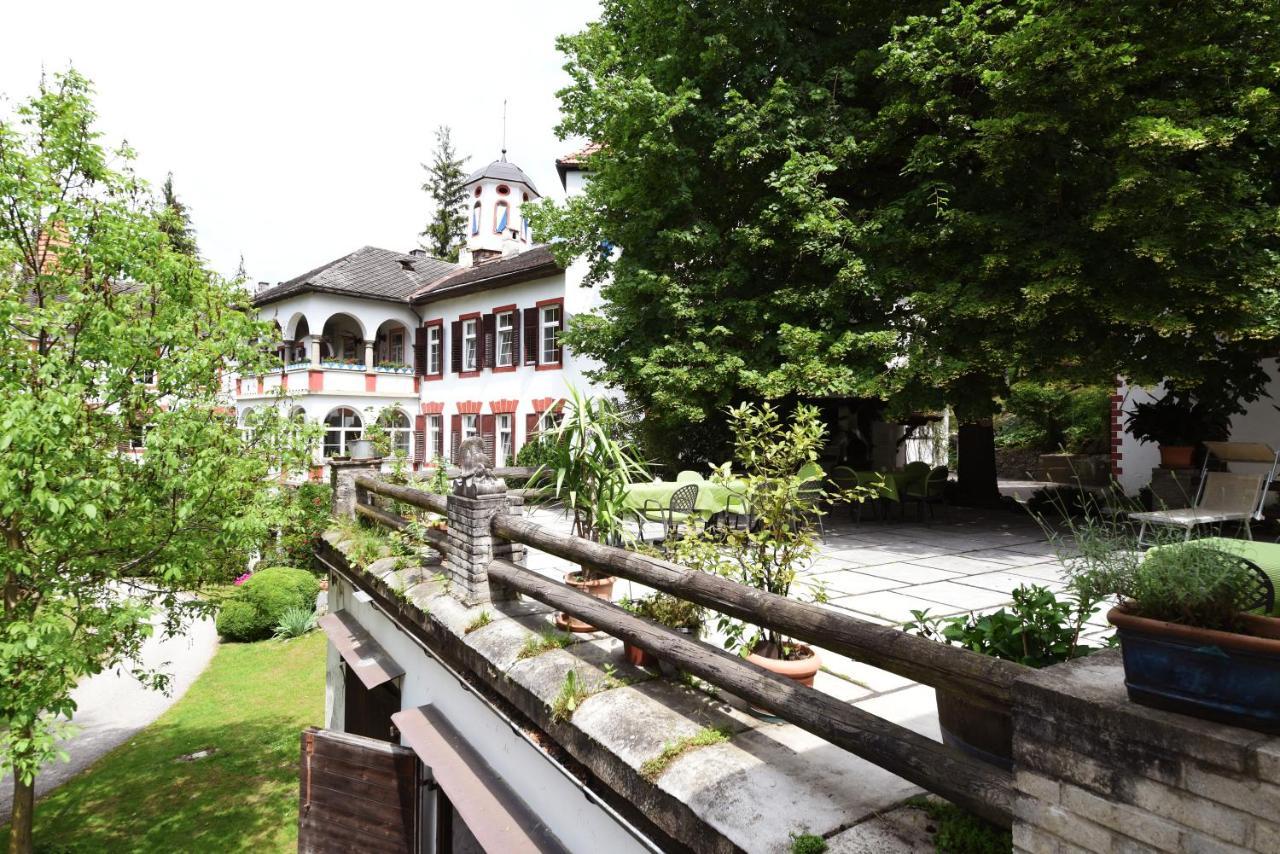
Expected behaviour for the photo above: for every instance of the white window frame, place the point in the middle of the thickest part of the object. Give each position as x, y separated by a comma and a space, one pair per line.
470, 344
547, 421
395, 346
344, 432
435, 349
401, 437
470, 427
435, 423
506, 440
549, 334
505, 348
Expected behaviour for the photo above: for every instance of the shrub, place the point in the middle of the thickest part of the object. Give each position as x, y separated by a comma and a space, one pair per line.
303, 516
1047, 417
295, 622
257, 607
807, 843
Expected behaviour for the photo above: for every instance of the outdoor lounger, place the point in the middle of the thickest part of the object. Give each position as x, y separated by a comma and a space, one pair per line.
1223, 496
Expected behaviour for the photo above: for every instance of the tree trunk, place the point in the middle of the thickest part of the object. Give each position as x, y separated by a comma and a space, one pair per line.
20, 819
977, 480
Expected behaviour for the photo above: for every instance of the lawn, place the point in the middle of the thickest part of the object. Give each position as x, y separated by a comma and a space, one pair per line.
250, 705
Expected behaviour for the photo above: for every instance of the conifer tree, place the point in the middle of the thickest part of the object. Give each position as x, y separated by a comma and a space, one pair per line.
444, 184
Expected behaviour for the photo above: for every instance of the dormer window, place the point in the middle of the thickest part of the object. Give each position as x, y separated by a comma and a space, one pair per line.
475, 218
500, 218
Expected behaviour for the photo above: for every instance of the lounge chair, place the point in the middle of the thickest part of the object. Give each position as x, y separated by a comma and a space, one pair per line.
1223, 497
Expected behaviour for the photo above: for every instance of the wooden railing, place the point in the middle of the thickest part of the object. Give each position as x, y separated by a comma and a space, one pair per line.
975, 785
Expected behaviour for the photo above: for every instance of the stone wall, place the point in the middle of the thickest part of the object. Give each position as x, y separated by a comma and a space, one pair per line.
1095, 772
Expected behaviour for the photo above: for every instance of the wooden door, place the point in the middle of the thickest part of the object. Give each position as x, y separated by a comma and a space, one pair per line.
357, 794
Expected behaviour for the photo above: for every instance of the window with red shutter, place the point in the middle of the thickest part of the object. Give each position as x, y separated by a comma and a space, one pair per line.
455, 346
439, 450
455, 435
420, 436
531, 336
420, 351
490, 333
530, 426
487, 430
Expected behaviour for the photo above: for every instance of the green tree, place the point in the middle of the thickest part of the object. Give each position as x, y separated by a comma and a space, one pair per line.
175, 220
113, 338
922, 202
444, 234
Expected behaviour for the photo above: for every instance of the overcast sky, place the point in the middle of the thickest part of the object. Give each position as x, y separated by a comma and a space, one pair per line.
295, 131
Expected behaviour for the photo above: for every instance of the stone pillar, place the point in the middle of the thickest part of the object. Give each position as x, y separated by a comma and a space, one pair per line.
1096, 772
368, 355
342, 474
472, 545
313, 350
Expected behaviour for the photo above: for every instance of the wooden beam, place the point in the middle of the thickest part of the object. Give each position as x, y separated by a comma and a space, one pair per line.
413, 497
974, 785
983, 678
432, 537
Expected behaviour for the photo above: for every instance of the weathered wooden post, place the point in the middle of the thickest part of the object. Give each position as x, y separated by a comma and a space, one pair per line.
342, 477
476, 498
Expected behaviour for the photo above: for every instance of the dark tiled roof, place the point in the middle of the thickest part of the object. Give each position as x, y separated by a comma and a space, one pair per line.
574, 161
369, 272
501, 170
534, 263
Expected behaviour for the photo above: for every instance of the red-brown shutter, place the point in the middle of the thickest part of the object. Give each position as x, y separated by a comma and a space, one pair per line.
490, 334
420, 438
515, 337
455, 346
455, 436
439, 449
530, 427
531, 336
487, 433
420, 351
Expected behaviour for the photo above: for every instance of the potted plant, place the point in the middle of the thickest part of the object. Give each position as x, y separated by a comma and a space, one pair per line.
785, 505
590, 469
674, 613
1188, 640
1038, 630
1179, 422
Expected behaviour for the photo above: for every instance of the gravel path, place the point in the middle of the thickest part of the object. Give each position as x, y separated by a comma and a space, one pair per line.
113, 706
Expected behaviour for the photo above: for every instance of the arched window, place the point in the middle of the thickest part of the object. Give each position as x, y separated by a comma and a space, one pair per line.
396, 423
500, 218
342, 426
247, 419
475, 218
503, 189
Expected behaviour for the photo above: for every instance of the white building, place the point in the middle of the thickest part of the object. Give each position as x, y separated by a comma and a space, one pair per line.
436, 351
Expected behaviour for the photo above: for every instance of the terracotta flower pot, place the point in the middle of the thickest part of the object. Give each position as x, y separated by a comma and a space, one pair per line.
601, 588
1177, 456
638, 657
1230, 677
801, 670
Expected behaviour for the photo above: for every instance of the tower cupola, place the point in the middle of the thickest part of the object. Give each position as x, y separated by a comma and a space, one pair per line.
497, 224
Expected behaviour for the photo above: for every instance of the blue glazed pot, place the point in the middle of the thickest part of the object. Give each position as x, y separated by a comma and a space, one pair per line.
1221, 676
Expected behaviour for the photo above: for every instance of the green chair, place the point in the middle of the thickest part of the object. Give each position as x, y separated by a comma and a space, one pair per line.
678, 510
688, 476
929, 493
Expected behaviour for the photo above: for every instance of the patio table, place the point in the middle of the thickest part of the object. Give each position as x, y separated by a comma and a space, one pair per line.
895, 482
712, 497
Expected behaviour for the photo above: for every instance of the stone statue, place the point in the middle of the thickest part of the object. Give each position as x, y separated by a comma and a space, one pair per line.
474, 477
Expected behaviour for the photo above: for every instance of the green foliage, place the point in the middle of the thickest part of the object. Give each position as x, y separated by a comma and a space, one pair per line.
590, 468
175, 220
1038, 630
652, 769
544, 641
111, 334
363, 545
439, 483
960, 832
300, 515
572, 692
481, 620
444, 184
669, 610
769, 455
807, 843
1048, 417
1190, 417
259, 605
1177, 582
962, 191
295, 622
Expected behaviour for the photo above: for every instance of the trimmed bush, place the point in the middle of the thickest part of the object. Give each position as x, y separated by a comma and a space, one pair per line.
258, 606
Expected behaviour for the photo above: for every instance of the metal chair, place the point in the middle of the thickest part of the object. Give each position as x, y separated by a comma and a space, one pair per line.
679, 509
929, 493
1224, 497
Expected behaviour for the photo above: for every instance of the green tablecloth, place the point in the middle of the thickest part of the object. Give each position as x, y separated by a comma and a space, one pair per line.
895, 482
712, 497
1265, 555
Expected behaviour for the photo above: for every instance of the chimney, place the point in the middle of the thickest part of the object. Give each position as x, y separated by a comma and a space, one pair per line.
262, 286
480, 256
418, 253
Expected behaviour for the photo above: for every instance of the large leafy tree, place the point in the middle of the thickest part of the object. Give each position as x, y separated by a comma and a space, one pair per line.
923, 201
444, 184
113, 338
175, 219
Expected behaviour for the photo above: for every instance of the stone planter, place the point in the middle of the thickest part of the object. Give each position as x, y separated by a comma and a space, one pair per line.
1229, 677
975, 729
601, 588
362, 449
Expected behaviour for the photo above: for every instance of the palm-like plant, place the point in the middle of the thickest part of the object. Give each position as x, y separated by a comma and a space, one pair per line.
591, 467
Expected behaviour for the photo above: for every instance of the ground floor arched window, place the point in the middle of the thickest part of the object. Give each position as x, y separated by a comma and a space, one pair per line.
342, 427
399, 431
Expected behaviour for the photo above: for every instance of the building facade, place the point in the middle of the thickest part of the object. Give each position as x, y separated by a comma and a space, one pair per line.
434, 352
